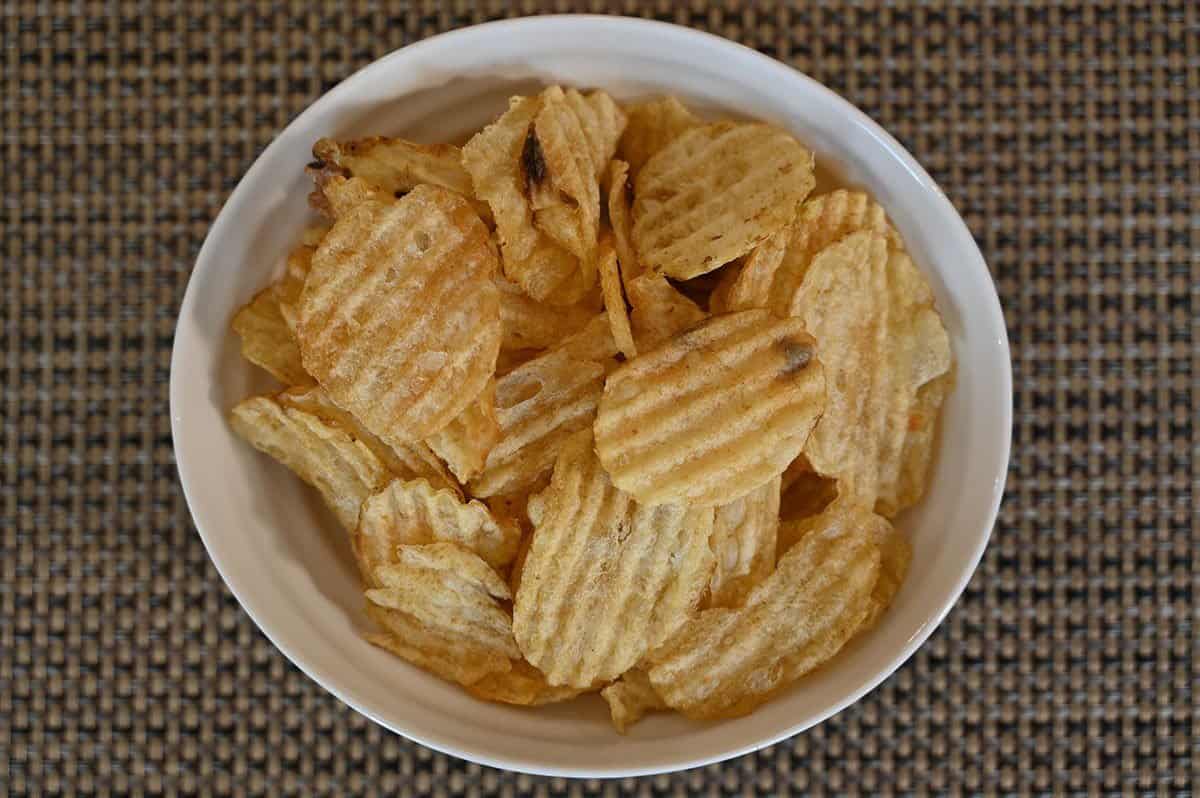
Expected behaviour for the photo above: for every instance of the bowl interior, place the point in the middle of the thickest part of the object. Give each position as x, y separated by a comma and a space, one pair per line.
284, 557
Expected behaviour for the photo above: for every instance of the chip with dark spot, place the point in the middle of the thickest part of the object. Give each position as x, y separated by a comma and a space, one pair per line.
798, 355
533, 160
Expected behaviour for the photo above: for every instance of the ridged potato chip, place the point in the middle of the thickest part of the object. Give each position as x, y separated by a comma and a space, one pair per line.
464, 443
659, 311
881, 339
523, 686
529, 324
906, 486
393, 166
743, 541
342, 468
895, 555
713, 413
400, 317
619, 216
413, 512
615, 306
267, 341
652, 126
440, 607
605, 578
501, 168
630, 699
410, 461
594, 342
725, 662
539, 405
715, 193
291, 285
750, 284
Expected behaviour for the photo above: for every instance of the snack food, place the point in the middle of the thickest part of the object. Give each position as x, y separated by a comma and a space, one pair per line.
605, 401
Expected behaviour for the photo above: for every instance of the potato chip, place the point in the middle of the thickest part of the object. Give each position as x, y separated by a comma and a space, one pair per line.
630, 698
743, 542
336, 195
291, 285
822, 221
614, 298
394, 166
539, 405
343, 469
725, 662
750, 286
411, 461
619, 216
881, 339
564, 189
413, 512
509, 359
905, 488
807, 495
593, 342
659, 311
439, 604
715, 193
523, 686
652, 126
464, 443
713, 413
501, 169
605, 578
267, 341
400, 318
895, 555
529, 324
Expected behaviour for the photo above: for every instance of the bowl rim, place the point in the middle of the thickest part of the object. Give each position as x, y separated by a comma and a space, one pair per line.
682, 36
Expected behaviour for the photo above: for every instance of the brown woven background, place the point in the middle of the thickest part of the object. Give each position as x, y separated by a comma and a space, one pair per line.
1068, 135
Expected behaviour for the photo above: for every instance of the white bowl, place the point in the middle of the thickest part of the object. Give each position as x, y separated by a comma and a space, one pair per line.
279, 551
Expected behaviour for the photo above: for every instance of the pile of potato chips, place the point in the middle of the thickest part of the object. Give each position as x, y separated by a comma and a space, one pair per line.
605, 400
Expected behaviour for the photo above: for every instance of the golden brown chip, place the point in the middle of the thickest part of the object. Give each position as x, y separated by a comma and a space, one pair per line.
630, 698
652, 126
413, 512
501, 168
725, 662
713, 413
751, 285
594, 342
743, 542
291, 285
523, 686
464, 443
605, 578
903, 489
659, 311
510, 359
336, 195
619, 216
343, 469
393, 166
808, 494
822, 221
539, 405
411, 461
564, 190
614, 298
881, 340
267, 341
439, 605
529, 324
400, 317
715, 193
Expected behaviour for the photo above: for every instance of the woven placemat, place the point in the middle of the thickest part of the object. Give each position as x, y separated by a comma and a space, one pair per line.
1068, 135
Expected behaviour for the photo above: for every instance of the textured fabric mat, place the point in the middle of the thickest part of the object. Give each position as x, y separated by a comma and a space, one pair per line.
1068, 135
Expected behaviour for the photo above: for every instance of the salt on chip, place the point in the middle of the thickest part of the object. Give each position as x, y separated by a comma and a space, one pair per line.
410, 461
615, 306
464, 443
715, 193
529, 324
342, 468
725, 662
630, 699
605, 578
659, 310
414, 512
539, 405
394, 166
267, 341
400, 317
501, 165
652, 126
523, 686
619, 216
743, 542
713, 413
440, 607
